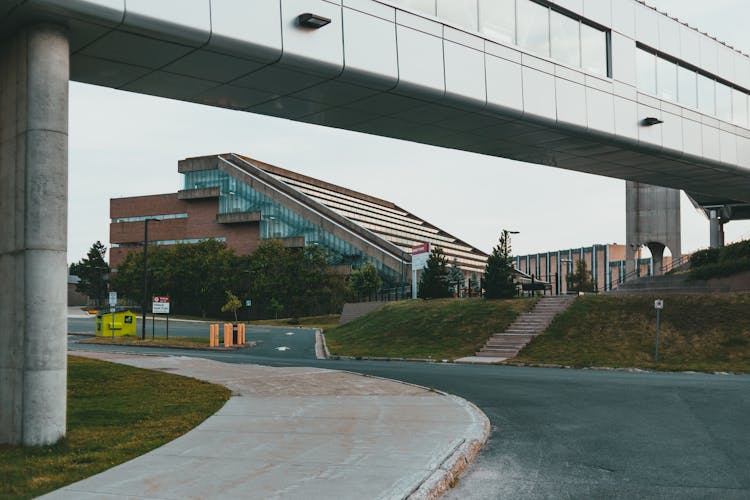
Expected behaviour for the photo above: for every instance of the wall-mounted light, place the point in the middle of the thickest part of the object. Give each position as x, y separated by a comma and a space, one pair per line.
313, 21
647, 122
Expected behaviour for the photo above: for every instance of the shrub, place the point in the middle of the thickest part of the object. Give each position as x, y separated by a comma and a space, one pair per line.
704, 257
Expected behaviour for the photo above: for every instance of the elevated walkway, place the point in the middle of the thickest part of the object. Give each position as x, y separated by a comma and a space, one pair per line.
527, 326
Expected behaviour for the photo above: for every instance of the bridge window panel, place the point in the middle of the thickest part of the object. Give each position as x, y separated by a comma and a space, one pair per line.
723, 102
565, 36
462, 13
687, 87
646, 70
425, 6
706, 95
739, 108
533, 27
497, 19
666, 79
593, 50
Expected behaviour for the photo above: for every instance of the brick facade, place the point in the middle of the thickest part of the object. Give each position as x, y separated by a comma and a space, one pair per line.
200, 223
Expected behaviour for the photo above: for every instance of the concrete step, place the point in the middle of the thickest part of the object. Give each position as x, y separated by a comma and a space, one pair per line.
527, 326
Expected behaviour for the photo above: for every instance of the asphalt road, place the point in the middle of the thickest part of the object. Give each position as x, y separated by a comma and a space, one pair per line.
572, 433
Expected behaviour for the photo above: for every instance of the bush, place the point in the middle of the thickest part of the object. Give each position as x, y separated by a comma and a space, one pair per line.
735, 251
720, 269
704, 257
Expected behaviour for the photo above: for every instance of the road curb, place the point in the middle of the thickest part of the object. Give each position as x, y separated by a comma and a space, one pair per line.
445, 476
321, 348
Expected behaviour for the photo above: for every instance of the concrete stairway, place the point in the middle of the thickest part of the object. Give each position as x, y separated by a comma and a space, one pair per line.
525, 327
356, 310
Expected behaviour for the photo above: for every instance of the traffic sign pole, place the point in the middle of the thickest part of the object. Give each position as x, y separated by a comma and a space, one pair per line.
658, 305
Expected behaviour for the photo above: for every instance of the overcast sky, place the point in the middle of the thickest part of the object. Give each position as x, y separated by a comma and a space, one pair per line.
124, 144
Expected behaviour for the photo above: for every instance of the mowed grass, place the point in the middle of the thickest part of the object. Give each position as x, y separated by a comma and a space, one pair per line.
149, 342
424, 329
697, 332
115, 413
324, 322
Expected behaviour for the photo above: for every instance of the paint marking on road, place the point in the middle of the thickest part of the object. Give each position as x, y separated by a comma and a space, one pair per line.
283, 348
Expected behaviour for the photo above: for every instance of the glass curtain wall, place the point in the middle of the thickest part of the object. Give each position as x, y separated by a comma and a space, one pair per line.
533, 26
678, 82
278, 221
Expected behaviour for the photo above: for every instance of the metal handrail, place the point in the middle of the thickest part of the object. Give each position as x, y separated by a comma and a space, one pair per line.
676, 263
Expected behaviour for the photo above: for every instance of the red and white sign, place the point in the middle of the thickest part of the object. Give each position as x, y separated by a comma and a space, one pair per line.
423, 248
160, 305
419, 256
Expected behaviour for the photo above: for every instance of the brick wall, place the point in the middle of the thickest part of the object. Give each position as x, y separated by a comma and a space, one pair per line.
200, 223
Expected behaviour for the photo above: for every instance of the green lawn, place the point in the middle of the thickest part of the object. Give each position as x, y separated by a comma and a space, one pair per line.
698, 332
324, 322
149, 342
115, 413
436, 329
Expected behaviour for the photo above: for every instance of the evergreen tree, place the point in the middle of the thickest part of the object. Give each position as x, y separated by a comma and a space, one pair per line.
498, 273
580, 280
92, 271
456, 276
434, 281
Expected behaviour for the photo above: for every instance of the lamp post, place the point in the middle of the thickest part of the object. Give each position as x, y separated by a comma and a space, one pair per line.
145, 275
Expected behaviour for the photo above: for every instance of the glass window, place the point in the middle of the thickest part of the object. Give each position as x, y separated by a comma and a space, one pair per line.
739, 108
646, 68
687, 87
497, 19
426, 6
461, 12
706, 95
565, 38
666, 79
723, 102
593, 50
533, 27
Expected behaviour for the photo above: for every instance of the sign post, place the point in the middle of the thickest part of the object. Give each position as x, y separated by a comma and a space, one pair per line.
159, 305
419, 256
112, 308
658, 305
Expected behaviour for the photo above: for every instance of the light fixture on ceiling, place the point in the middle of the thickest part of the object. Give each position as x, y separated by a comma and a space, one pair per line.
314, 21
647, 122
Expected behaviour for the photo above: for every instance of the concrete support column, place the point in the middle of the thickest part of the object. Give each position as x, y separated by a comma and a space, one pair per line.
652, 219
716, 229
34, 72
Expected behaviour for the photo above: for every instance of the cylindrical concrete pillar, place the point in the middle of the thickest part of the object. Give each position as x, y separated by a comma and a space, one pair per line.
716, 227
34, 72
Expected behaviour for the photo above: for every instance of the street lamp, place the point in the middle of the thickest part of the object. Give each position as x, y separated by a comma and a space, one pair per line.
145, 275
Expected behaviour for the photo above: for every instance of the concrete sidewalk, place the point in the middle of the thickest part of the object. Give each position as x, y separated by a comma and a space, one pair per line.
300, 433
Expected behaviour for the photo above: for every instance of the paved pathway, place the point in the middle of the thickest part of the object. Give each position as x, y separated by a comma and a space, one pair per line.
299, 433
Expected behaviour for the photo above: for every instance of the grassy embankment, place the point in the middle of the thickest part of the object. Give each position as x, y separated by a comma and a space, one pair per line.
436, 329
115, 413
697, 332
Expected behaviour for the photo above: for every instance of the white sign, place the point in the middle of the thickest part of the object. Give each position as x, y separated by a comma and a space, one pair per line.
419, 256
112, 299
658, 304
160, 305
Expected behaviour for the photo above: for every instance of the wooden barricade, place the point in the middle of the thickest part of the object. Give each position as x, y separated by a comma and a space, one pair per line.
228, 335
213, 339
241, 334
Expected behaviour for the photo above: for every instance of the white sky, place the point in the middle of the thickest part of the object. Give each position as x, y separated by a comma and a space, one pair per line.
124, 144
